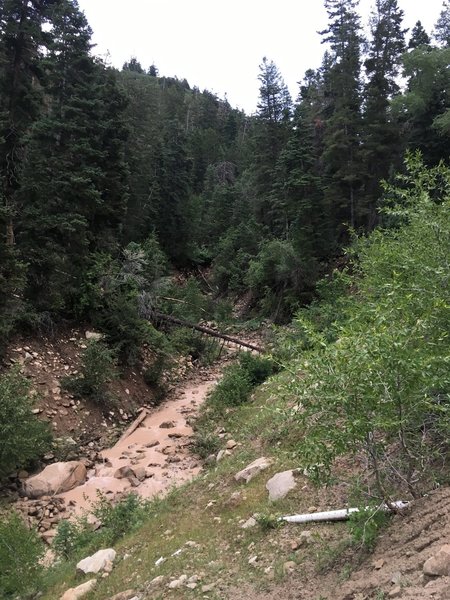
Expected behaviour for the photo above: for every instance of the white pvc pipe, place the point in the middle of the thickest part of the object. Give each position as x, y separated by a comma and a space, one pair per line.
336, 515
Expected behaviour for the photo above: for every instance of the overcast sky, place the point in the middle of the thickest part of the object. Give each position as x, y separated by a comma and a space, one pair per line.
219, 45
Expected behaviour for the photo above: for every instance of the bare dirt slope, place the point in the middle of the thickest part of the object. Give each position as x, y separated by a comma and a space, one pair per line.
394, 570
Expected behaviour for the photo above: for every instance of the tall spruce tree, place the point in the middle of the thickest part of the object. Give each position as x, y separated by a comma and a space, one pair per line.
271, 131
73, 167
342, 137
21, 42
419, 37
381, 131
442, 29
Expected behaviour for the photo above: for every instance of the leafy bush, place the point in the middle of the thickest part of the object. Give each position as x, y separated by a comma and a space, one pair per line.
190, 342
21, 550
365, 525
78, 536
233, 389
381, 387
98, 368
23, 438
206, 442
258, 368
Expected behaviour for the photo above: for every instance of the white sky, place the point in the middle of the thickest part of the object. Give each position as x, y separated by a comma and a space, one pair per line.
219, 45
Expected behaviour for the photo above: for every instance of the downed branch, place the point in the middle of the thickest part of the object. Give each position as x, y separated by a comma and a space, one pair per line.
206, 330
338, 515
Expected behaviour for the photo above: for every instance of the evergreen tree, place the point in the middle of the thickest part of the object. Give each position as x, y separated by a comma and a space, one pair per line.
442, 29
381, 131
133, 65
73, 187
21, 41
342, 138
419, 37
271, 131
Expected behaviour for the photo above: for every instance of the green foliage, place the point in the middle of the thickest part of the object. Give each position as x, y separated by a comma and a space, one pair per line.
268, 521
258, 368
23, 438
206, 442
78, 536
97, 369
381, 386
21, 551
365, 525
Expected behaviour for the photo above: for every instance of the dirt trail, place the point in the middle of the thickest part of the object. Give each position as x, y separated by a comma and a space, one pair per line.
157, 451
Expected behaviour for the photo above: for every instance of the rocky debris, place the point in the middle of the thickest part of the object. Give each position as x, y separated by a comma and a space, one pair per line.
289, 567
43, 514
127, 472
253, 469
156, 581
167, 425
80, 591
100, 561
57, 478
280, 485
438, 565
231, 444
221, 454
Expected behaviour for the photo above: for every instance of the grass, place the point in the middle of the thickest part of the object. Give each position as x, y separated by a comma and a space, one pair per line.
208, 511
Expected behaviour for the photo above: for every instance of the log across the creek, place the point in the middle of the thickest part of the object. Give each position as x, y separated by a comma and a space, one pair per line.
206, 330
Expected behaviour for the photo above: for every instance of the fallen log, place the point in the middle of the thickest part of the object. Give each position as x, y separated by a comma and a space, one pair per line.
206, 330
134, 425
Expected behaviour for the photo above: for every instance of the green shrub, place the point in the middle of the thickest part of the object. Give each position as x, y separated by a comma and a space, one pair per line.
233, 389
78, 536
21, 550
258, 368
365, 526
98, 368
23, 438
382, 386
206, 442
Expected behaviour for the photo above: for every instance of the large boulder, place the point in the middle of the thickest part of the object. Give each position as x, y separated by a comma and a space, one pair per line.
253, 469
100, 561
55, 479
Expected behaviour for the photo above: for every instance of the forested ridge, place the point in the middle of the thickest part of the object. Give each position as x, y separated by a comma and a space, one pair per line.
100, 166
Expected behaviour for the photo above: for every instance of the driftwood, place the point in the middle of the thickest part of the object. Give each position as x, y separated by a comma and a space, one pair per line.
206, 330
134, 425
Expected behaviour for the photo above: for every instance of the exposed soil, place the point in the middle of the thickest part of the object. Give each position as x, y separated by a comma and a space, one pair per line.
393, 570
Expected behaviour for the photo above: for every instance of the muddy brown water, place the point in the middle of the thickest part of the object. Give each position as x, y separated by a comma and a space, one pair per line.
160, 446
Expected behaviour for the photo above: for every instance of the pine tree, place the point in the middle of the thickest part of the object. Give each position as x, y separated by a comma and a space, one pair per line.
21, 41
419, 37
442, 29
73, 192
342, 137
381, 131
271, 131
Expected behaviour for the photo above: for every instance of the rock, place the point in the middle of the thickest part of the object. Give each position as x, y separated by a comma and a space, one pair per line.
249, 523
378, 564
167, 425
396, 578
280, 485
395, 592
253, 560
129, 473
128, 595
156, 581
208, 588
176, 583
231, 444
80, 591
55, 479
97, 562
220, 455
93, 335
253, 469
439, 564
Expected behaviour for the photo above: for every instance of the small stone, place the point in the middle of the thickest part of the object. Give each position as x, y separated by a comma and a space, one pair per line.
208, 588
156, 581
378, 564
253, 560
289, 567
249, 523
395, 592
253, 469
167, 425
231, 444
396, 578
80, 591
